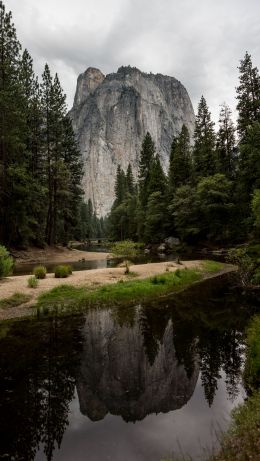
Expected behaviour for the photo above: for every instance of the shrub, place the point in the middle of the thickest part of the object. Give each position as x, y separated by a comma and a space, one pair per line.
177, 273
40, 272
6, 262
245, 263
252, 365
32, 282
256, 277
127, 249
62, 271
158, 280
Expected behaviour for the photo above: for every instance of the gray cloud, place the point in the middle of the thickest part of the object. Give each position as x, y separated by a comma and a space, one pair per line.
200, 43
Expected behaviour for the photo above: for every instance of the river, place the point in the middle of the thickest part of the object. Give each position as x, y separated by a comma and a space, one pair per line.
136, 383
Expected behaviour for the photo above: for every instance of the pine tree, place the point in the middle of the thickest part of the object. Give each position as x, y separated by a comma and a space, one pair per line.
130, 180
36, 195
73, 163
249, 167
145, 164
226, 156
204, 142
13, 181
154, 227
157, 179
180, 160
248, 95
120, 186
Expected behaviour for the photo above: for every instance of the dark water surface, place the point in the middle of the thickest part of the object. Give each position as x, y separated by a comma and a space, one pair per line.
26, 269
124, 384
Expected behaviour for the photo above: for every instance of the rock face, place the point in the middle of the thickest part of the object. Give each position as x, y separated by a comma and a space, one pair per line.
111, 115
117, 377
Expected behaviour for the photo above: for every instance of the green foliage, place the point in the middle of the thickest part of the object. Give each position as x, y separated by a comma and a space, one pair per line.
40, 272
180, 167
128, 292
242, 441
204, 142
158, 280
62, 271
205, 210
154, 228
248, 95
252, 367
249, 166
256, 210
127, 249
246, 265
215, 206
40, 163
226, 141
212, 266
256, 277
184, 211
6, 262
145, 165
33, 281
122, 221
14, 301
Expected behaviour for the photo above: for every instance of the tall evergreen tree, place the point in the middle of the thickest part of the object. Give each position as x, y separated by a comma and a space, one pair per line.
157, 180
14, 184
204, 142
145, 165
74, 165
249, 166
248, 95
130, 186
120, 186
180, 160
226, 154
36, 193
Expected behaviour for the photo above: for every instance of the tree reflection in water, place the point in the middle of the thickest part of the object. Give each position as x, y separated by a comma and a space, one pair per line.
41, 363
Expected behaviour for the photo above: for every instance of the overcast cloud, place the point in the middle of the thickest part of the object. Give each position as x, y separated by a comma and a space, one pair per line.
200, 42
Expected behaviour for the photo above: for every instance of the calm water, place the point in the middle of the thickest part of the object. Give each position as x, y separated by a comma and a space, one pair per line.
124, 384
26, 269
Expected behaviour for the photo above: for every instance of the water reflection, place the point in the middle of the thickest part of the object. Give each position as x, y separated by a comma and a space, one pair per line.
127, 362
131, 371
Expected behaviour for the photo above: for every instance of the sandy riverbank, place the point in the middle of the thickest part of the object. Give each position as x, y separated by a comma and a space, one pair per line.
88, 278
54, 255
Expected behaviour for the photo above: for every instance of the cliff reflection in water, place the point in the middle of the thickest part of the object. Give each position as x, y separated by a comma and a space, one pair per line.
128, 371
125, 361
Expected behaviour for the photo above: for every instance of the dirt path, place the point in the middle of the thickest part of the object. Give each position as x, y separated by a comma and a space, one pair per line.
15, 284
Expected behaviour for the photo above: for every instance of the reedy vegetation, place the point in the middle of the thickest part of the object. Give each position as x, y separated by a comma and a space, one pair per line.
207, 192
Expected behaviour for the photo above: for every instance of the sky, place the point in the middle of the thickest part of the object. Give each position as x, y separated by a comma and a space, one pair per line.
199, 42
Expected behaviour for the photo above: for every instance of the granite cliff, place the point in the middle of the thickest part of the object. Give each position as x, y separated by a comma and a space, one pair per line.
111, 115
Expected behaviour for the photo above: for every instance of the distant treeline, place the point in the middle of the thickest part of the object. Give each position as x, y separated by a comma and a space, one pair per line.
212, 189
40, 163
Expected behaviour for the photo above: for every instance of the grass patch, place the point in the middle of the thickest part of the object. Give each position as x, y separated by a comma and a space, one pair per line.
252, 367
15, 300
242, 441
123, 292
212, 266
